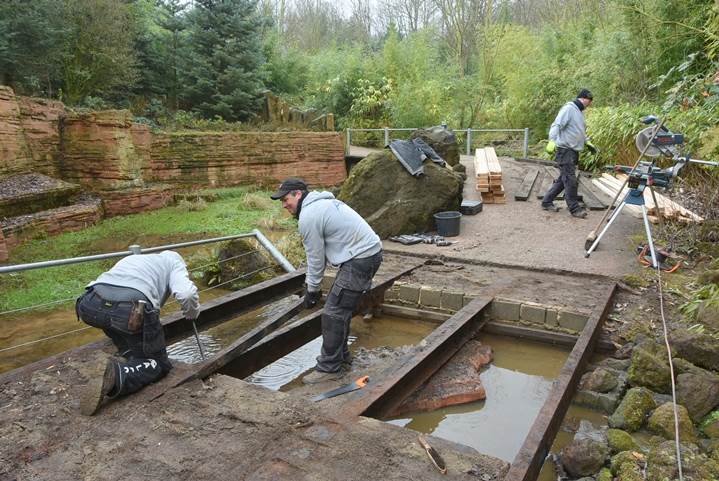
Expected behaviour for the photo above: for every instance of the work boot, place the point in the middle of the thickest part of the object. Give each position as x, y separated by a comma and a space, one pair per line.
580, 213
102, 381
316, 377
347, 362
550, 208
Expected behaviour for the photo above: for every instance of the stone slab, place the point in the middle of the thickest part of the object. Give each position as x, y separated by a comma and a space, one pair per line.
533, 313
430, 297
572, 320
505, 310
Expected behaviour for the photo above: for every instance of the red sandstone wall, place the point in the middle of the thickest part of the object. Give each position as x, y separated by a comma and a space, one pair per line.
3, 248
14, 153
41, 124
131, 201
231, 158
98, 150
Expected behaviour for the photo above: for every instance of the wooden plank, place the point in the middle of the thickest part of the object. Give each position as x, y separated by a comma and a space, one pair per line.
590, 199
529, 460
480, 163
546, 182
400, 380
525, 188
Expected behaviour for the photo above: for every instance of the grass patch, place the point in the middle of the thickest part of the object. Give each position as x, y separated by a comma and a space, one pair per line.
227, 216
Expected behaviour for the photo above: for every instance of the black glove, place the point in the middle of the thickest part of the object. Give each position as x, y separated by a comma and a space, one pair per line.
592, 149
312, 298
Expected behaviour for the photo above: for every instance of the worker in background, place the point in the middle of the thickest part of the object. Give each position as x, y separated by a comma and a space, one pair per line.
567, 137
125, 303
332, 232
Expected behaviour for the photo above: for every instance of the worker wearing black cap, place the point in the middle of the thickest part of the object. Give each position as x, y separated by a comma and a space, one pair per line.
332, 232
567, 137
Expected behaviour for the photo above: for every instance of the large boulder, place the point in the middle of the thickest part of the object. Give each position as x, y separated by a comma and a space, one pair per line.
394, 202
631, 412
621, 441
662, 463
650, 367
699, 348
584, 457
599, 380
661, 422
627, 465
442, 140
698, 392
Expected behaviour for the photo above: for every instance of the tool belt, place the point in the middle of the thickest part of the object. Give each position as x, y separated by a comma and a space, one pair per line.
114, 315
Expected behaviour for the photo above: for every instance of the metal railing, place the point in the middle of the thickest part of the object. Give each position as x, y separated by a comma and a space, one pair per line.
136, 249
466, 132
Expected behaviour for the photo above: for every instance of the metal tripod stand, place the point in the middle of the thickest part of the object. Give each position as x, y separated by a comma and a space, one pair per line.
635, 196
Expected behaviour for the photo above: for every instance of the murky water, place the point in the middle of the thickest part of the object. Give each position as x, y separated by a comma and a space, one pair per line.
284, 374
517, 384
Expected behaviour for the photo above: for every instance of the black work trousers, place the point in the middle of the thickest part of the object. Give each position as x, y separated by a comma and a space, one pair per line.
567, 160
353, 279
143, 355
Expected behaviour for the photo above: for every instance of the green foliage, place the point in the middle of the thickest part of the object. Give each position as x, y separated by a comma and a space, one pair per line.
226, 216
221, 76
705, 295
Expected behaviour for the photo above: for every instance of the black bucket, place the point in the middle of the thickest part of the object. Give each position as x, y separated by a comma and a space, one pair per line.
447, 223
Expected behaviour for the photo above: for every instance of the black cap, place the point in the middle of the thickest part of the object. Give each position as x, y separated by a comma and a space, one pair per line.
287, 186
585, 94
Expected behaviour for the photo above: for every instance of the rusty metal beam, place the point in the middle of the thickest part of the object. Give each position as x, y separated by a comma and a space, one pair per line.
400, 380
529, 460
233, 304
290, 337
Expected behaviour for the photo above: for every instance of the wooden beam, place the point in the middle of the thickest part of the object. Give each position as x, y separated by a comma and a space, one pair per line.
529, 460
403, 378
525, 188
246, 341
233, 304
590, 199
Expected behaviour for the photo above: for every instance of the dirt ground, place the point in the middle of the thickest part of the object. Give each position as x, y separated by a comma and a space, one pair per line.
226, 428
520, 233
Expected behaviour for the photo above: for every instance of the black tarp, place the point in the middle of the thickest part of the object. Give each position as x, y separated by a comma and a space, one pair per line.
412, 153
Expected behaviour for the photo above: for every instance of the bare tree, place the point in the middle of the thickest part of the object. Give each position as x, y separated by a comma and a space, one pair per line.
408, 16
461, 22
312, 24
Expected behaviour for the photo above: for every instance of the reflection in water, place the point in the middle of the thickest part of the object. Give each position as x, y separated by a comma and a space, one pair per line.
222, 335
498, 425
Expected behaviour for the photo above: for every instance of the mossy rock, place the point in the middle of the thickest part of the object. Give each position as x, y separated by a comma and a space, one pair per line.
649, 367
394, 202
710, 425
631, 412
623, 461
621, 441
699, 348
605, 474
662, 463
709, 277
661, 422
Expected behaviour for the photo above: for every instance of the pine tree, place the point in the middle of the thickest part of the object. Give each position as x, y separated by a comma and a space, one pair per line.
223, 75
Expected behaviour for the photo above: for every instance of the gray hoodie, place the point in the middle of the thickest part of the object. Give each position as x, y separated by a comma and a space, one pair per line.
568, 129
332, 232
156, 276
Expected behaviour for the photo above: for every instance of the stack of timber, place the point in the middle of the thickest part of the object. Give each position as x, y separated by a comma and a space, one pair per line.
664, 205
489, 176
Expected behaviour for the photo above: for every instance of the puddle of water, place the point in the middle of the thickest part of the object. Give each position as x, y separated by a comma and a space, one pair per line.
16, 329
284, 373
517, 383
222, 335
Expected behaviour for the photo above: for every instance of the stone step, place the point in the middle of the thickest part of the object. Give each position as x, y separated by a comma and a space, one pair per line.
85, 212
28, 193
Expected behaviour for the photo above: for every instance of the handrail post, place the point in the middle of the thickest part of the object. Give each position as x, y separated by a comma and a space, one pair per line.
135, 249
526, 142
276, 254
386, 136
469, 141
348, 140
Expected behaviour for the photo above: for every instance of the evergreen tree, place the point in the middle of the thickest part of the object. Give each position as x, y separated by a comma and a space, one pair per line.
223, 76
